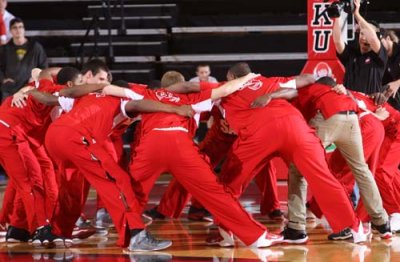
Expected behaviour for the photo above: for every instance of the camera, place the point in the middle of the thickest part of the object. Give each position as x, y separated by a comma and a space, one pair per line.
336, 7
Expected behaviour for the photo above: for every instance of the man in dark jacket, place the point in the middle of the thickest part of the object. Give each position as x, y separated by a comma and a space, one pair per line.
18, 58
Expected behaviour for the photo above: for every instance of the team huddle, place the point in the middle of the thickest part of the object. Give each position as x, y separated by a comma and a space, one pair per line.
62, 133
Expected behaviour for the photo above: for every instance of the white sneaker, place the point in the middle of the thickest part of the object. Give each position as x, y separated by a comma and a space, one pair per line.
267, 239
395, 222
361, 234
223, 239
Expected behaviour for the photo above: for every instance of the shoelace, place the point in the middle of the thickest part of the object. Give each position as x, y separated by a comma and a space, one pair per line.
151, 238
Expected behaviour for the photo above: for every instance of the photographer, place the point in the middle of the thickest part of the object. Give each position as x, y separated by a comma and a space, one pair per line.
365, 66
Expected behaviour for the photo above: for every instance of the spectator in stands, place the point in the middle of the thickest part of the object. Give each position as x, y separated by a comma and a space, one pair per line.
17, 59
5, 20
366, 64
391, 77
203, 74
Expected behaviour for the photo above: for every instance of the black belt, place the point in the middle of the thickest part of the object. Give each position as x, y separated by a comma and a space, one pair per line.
348, 112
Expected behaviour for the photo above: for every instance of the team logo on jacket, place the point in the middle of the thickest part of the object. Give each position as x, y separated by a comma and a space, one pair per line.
162, 95
322, 69
253, 84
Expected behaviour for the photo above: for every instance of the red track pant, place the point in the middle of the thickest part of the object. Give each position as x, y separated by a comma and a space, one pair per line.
216, 145
26, 175
297, 143
99, 168
175, 152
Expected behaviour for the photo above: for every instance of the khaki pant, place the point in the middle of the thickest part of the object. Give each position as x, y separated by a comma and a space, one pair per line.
344, 131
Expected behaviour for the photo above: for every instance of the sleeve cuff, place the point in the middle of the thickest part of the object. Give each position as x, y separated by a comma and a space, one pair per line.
132, 95
289, 84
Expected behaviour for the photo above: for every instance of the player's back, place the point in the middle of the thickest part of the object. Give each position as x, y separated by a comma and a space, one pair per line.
92, 114
161, 120
237, 106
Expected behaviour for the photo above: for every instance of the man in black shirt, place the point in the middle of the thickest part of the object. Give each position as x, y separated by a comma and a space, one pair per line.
18, 58
364, 65
391, 78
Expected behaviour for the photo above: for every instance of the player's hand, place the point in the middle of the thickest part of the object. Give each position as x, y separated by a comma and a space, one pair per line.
184, 110
340, 89
379, 98
261, 101
381, 113
392, 89
250, 76
19, 100
35, 74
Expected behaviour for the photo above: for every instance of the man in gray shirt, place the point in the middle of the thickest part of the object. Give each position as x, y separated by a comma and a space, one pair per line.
203, 74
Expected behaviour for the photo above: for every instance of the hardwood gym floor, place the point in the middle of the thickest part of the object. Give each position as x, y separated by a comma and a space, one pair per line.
188, 244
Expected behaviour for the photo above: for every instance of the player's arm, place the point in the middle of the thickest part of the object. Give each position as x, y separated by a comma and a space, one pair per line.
231, 87
113, 90
81, 90
44, 98
392, 88
282, 93
367, 28
184, 87
150, 106
48, 73
337, 36
302, 80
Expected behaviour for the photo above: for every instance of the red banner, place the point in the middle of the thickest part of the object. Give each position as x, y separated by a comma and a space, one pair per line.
322, 60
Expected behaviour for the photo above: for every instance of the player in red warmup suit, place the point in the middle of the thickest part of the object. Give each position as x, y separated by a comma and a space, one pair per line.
36, 175
279, 127
166, 140
215, 145
81, 133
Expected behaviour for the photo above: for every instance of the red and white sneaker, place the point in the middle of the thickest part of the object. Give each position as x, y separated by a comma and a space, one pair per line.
267, 239
222, 239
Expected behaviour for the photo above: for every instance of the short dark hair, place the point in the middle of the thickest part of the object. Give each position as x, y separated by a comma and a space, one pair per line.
374, 23
391, 34
66, 74
202, 65
240, 69
326, 80
15, 20
379, 31
95, 66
